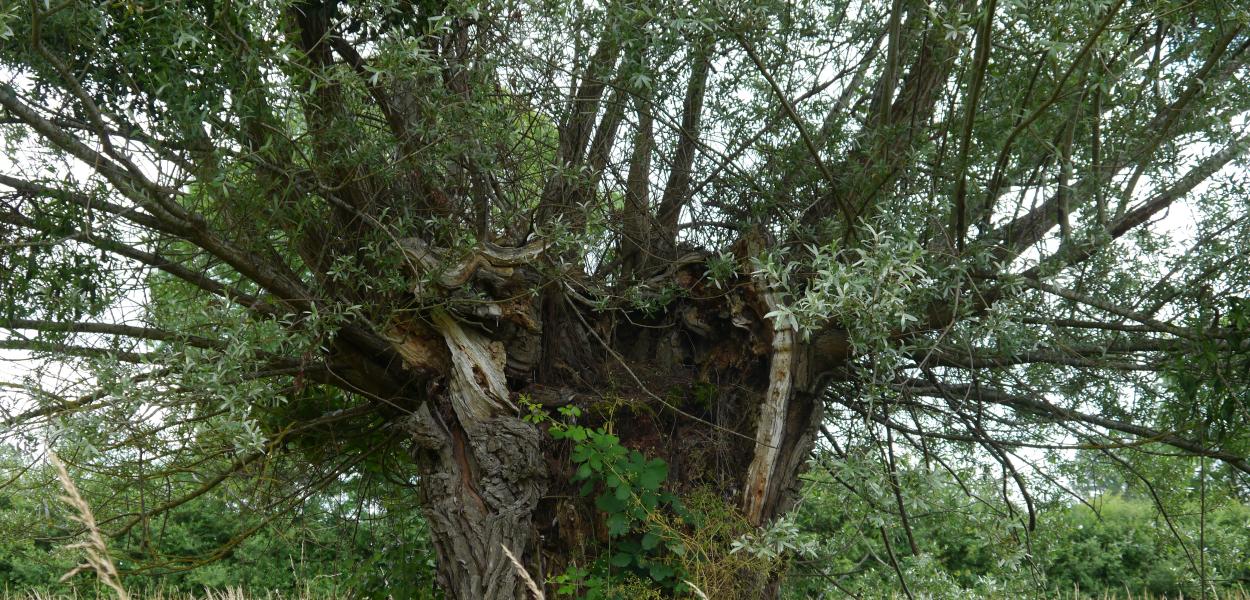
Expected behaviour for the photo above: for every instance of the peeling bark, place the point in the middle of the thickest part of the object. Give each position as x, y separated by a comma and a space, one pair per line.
482, 470
771, 428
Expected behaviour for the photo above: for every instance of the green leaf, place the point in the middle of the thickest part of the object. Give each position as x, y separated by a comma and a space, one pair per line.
622, 493
653, 475
660, 571
618, 525
587, 488
622, 559
609, 503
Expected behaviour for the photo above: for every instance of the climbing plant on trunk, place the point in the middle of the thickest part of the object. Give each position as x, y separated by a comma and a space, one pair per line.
326, 239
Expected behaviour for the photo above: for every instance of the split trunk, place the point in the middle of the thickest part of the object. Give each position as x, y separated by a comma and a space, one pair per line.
705, 383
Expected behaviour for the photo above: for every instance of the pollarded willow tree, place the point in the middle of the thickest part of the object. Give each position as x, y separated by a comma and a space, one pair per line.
302, 237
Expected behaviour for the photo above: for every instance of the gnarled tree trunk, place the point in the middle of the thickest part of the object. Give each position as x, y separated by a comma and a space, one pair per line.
707, 384
482, 473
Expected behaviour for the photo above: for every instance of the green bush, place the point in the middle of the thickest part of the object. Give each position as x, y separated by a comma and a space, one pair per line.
1127, 544
976, 546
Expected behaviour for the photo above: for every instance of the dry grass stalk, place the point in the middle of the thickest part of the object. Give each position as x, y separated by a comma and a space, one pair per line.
93, 548
525, 576
694, 588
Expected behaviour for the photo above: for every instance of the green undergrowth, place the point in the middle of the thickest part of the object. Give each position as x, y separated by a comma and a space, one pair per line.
660, 545
633, 589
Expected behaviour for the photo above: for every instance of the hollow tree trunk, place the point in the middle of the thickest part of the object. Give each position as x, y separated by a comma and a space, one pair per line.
709, 386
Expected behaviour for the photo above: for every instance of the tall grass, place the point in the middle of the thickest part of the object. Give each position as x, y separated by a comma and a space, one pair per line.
93, 547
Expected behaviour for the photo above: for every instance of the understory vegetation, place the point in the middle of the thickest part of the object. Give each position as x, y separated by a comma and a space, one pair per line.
1108, 537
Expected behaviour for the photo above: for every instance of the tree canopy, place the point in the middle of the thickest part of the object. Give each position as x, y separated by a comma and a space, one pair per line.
293, 242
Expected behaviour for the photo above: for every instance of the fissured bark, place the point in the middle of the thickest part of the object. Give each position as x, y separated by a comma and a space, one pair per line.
706, 385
